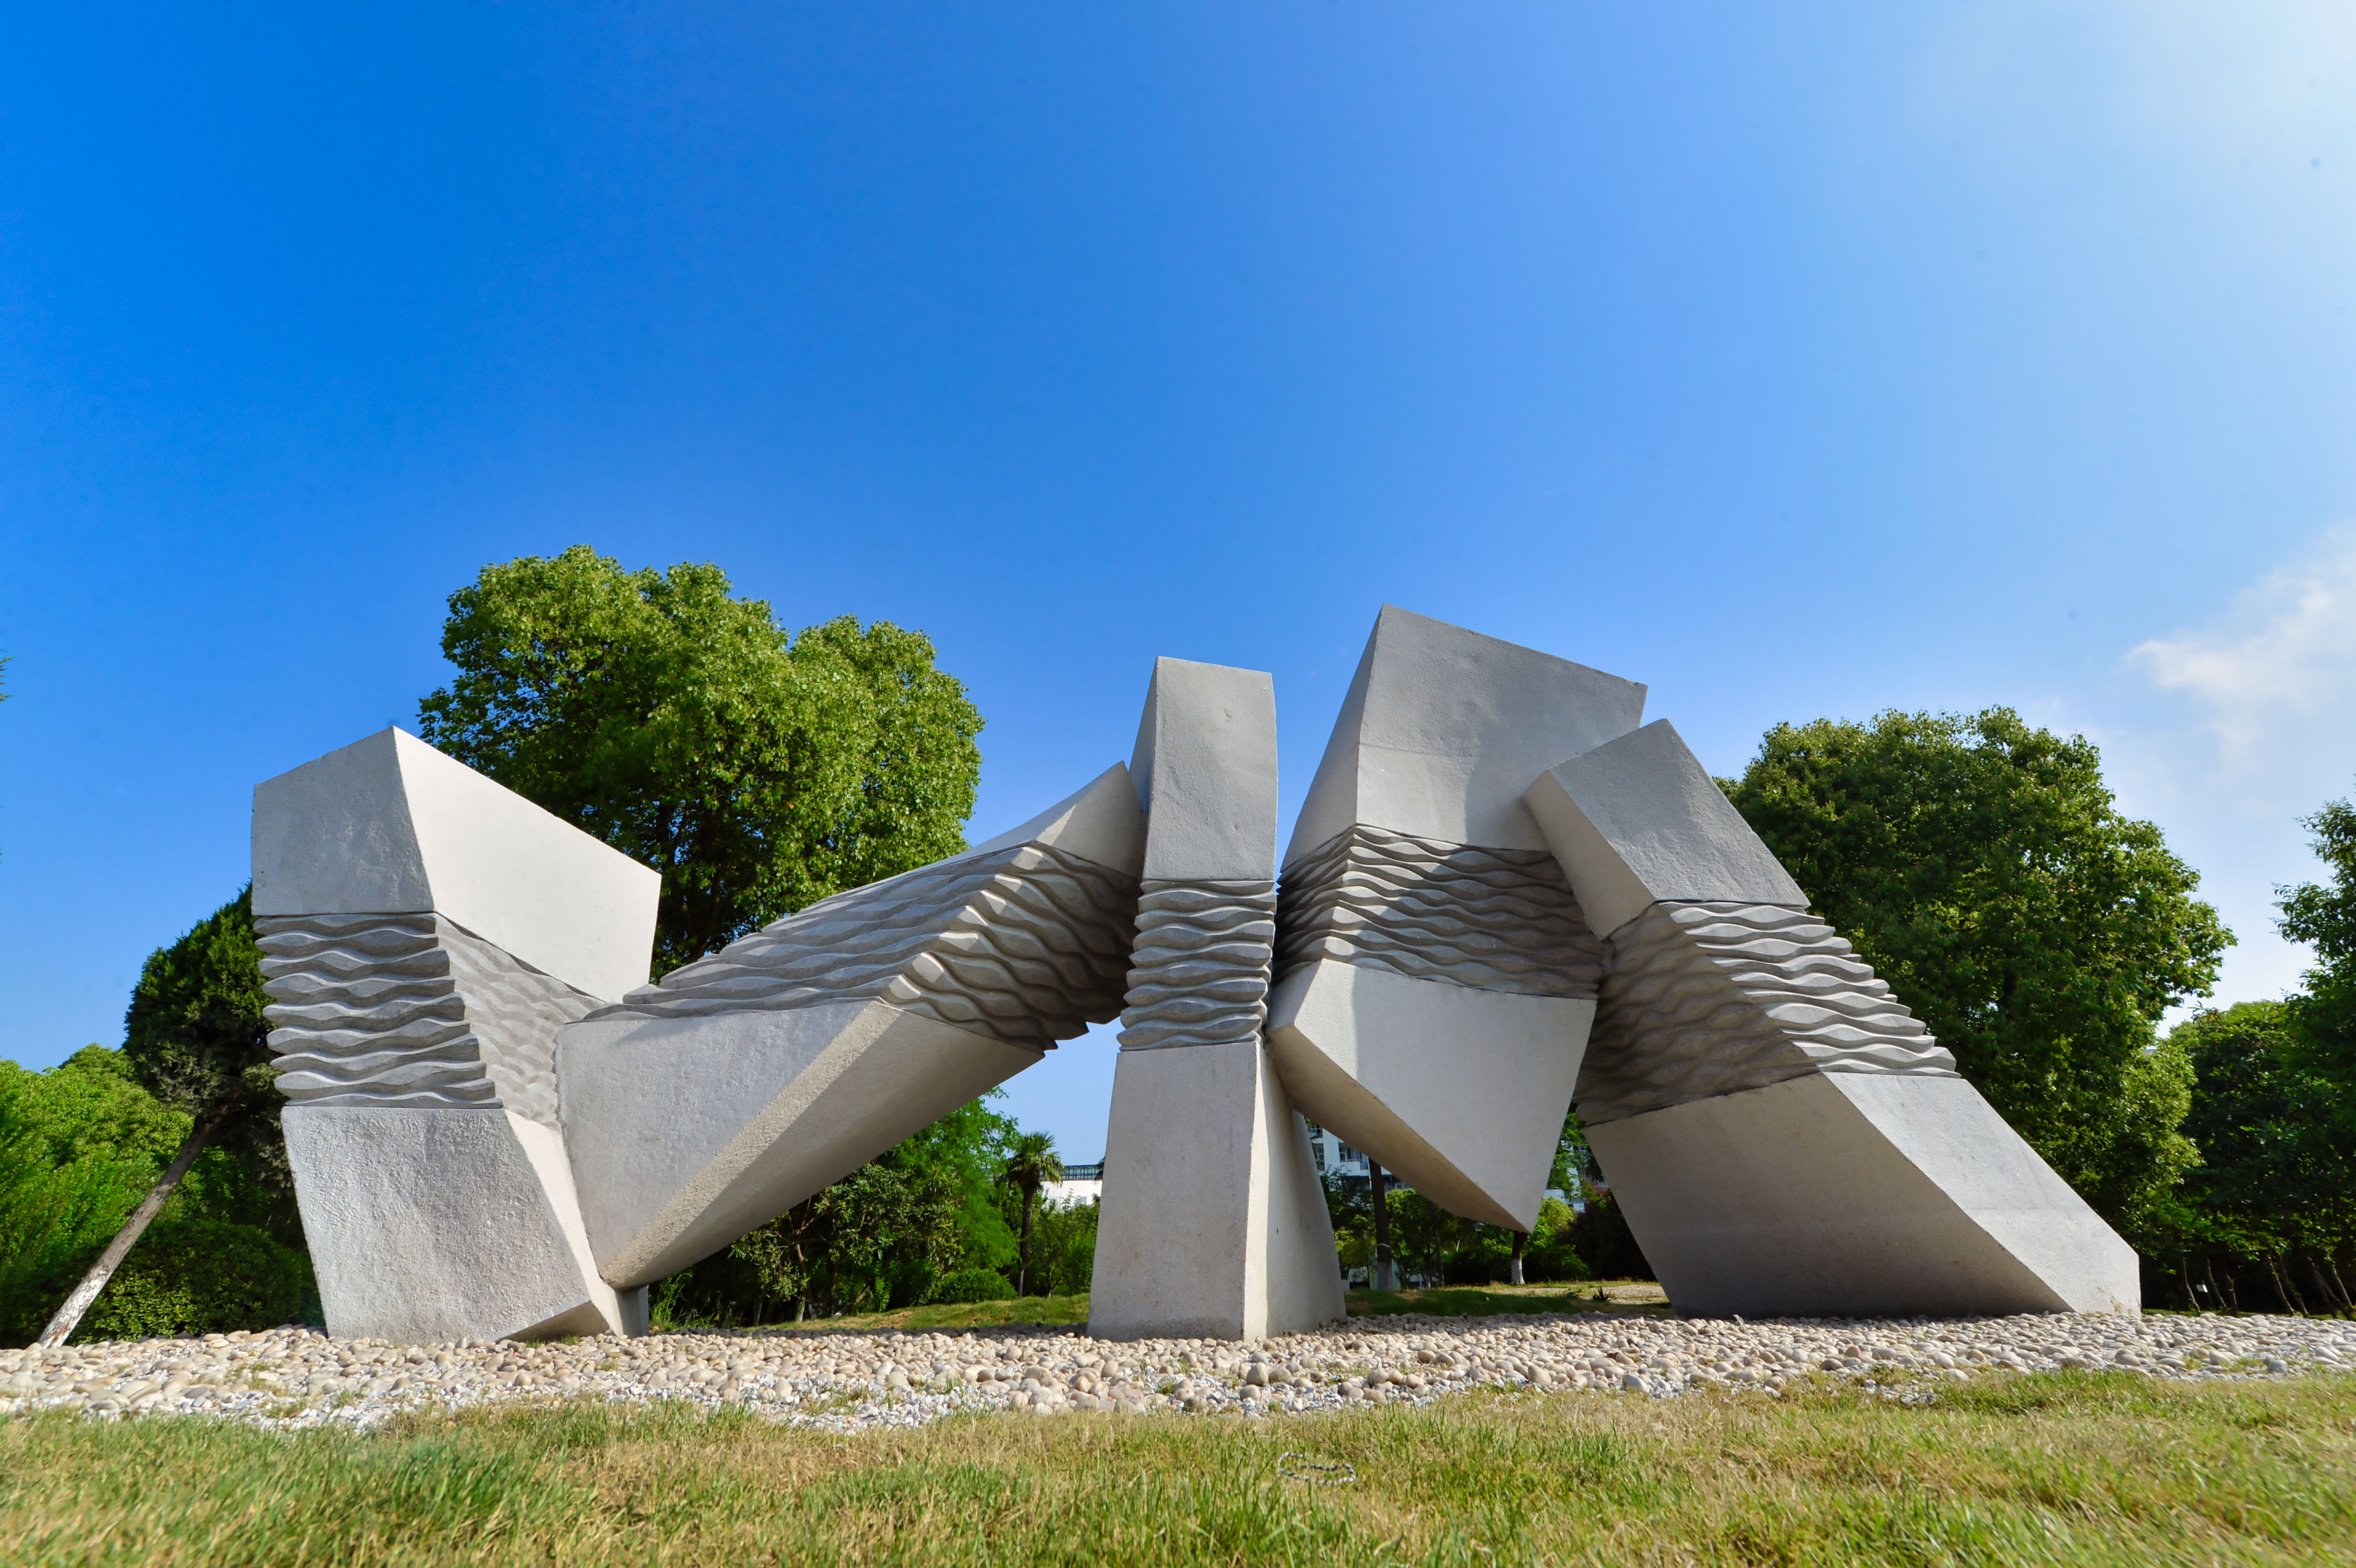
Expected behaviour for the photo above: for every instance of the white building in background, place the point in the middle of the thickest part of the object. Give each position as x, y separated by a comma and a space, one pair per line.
1081, 1184
1334, 1158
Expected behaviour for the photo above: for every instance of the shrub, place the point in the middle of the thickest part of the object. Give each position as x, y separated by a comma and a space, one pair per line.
974, 1285
203, 1276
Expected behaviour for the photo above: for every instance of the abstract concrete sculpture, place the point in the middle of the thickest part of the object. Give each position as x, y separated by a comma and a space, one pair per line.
1501, 894
1214, 1222
1435, 975
1782, 1134
425, 933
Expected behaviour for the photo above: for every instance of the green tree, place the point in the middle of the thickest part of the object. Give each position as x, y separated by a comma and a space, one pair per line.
196, 1038
1979, 865
80, 1145
2323, 916
1031, 1164
758, 770
2261, 1119
882, 1237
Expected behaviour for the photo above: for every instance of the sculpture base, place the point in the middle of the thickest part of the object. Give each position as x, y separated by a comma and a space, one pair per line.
1214, 1224
428, 1225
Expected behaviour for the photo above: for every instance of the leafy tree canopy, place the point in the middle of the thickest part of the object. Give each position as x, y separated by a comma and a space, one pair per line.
758, 771
2323, 916
1979, 865
196, 1038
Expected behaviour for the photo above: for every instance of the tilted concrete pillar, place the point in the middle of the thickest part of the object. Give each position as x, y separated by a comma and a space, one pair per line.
1435, 976
1214, 1222
1782, 1134
703, 1107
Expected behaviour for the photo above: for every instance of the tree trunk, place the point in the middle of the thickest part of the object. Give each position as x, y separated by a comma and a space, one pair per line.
2322, 1286
2283, 1291
2184, 1272
1520, 1238
1023, 1256
69, 1314
1384, 1279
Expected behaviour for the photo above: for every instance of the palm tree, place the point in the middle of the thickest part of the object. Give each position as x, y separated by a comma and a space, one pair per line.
1031, 1164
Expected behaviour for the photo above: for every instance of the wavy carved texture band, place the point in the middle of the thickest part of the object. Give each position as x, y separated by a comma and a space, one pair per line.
409, 1010
1029, 945
1703, 1000
1490, 920
1199, 974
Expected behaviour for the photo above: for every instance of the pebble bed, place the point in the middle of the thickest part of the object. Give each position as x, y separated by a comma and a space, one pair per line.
295, 1378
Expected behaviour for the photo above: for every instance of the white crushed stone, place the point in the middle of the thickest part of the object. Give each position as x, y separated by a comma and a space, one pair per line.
296, 1378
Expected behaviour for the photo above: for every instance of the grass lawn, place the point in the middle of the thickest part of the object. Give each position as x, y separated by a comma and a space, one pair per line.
2066, 1467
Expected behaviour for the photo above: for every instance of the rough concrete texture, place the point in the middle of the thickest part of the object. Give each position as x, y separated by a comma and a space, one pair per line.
1438, 973
1213, 1222
389, 826
1460, 1092
1703, 999
703, 1107
1442, 729
435, 1224
1858, 1194
1204, 768
1639, 820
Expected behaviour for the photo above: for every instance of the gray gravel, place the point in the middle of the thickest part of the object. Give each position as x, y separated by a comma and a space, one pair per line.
293, 1377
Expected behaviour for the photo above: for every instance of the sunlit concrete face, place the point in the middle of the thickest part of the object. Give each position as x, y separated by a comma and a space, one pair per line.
1214, 1224
1782, 1135
1436, 976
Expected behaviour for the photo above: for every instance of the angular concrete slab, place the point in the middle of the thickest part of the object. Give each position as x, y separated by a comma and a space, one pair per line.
427, 1225
705, 1105
1638, 821
1782, 1134
1214, 1224
1437, 974
1852, 1195
1472, 1129
688, 1132
1442, 729
389, 826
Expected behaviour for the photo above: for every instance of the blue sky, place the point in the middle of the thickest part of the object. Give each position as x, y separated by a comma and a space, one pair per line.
1797, 360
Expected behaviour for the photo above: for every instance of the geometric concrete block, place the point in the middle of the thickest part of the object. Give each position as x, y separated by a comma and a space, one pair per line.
1213, 1222
1782, 1135
1475, 1127
1436, 973
1639, 820
700, 1108
1442, 729
389, 826
1855, 1195
418, 1053
427, 1225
